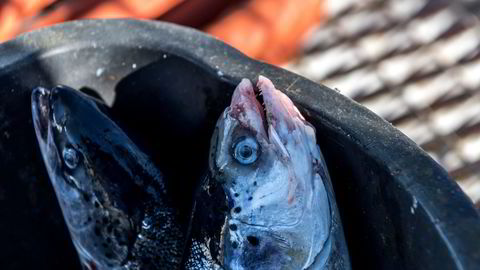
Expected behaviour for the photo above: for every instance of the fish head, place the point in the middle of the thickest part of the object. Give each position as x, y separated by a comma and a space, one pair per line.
65, 139
266, 158
78, 144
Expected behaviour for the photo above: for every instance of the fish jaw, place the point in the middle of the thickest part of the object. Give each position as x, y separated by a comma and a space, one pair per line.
246, 108
275, 120
281, 114
296, 139
40, 114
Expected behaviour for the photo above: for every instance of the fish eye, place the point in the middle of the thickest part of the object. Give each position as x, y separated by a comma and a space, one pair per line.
70, 157
245, 150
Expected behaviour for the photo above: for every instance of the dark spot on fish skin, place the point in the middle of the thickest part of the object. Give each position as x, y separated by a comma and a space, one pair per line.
255, 183
234, 244
109, 255
86, 197
250, 198
110, 228
237, 210
97, 231
97, 205
253, 240
233, 227
146, 261
236, 194
105, 220
89, 219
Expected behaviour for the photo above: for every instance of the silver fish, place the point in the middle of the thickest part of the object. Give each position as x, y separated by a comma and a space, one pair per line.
267, 171
112, 197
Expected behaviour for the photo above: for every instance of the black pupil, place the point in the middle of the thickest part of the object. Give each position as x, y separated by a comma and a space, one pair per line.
246, 151
70, 158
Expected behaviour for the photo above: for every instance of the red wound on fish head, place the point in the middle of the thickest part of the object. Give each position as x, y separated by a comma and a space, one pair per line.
246, 109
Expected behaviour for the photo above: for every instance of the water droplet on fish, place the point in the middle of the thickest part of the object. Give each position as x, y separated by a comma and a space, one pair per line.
146, 223
134, 66
164, 56
219, 73
70, 157
99, 72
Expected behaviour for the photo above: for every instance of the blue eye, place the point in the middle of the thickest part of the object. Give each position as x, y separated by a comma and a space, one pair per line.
70, 157
246, 150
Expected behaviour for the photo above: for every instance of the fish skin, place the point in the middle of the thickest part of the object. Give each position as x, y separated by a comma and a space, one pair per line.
271, 204
208, 219
113, 200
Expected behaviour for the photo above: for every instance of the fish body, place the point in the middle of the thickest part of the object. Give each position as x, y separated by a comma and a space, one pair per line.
274, 207
112, 197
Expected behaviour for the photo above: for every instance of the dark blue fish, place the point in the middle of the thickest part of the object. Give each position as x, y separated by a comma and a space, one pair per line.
112, 197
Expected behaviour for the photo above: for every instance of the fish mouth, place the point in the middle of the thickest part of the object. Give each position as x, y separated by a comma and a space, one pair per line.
41, 112
264, 109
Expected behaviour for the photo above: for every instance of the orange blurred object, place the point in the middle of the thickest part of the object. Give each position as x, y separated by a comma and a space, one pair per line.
108, 9
149, 8
242, 30
281, 22
270, 30
9, 17
29, 8
65, 11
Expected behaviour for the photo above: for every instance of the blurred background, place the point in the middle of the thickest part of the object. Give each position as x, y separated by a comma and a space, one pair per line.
416, 63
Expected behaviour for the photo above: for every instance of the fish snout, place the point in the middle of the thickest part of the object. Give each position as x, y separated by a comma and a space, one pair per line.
40, 111
282, 115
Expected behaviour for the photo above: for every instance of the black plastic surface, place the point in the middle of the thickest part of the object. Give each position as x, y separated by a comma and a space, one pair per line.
167, 85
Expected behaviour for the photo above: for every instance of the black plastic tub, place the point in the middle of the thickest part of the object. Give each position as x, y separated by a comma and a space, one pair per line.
168, 85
